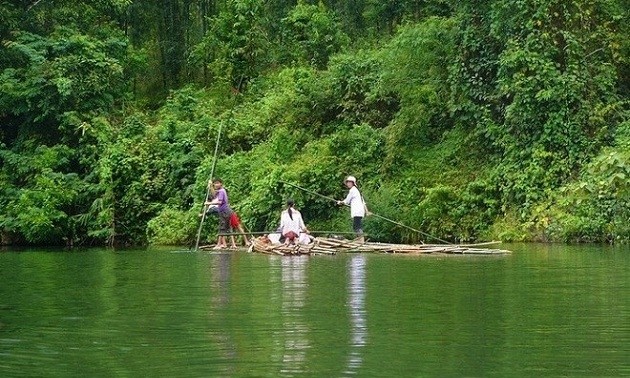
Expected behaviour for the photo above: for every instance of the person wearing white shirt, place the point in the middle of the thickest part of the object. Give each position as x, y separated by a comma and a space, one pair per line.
291, 224
358, 208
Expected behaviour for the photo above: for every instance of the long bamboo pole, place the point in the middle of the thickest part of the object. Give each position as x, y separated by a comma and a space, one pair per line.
209, 189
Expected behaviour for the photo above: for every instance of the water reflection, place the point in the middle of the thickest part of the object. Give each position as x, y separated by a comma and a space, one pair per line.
220, 270
356, 303
294, 328
219, 300
104, 313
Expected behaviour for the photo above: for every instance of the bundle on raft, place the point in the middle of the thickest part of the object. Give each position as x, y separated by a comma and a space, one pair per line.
330, 246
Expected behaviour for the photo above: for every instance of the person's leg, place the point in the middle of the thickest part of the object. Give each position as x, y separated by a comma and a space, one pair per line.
242, 231
235, 224
357, 225
286, 239
224, 228
220, 240
231, 229
220, 243
290, 238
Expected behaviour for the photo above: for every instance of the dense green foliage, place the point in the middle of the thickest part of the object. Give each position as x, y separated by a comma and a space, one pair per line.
494, 119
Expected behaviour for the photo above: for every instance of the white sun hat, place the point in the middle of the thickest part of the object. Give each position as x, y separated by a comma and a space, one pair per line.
351, 178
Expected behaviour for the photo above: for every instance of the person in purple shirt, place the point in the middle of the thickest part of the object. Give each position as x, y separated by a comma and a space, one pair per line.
224, 211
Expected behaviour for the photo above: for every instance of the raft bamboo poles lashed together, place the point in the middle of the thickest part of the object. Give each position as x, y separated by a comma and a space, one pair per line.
330, 246
276, 232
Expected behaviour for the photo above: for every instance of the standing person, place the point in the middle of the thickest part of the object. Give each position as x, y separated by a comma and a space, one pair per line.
223, 210
358, 208
291, 224
235, 223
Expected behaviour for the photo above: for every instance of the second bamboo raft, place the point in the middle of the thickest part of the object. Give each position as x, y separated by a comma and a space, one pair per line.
330, 246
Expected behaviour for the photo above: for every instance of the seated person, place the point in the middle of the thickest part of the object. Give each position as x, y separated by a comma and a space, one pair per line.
291, 224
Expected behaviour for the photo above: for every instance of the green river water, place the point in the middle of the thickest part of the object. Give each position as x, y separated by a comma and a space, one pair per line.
542, 311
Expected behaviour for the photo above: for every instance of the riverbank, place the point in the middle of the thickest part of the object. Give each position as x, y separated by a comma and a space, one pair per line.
468, 121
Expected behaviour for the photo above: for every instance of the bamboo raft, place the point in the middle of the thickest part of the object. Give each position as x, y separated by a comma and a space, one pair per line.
329, 246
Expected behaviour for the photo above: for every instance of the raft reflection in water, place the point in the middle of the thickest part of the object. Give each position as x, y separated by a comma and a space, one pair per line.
295, 329
358, 319
222, 340
296, 326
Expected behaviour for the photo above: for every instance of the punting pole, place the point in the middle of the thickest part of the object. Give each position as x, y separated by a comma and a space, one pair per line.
214, 163
203, 207
375, 215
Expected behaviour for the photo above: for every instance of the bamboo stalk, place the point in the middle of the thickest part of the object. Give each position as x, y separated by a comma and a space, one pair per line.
275, 232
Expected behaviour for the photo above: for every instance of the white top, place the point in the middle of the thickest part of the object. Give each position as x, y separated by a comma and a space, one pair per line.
354, 199
287, 224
